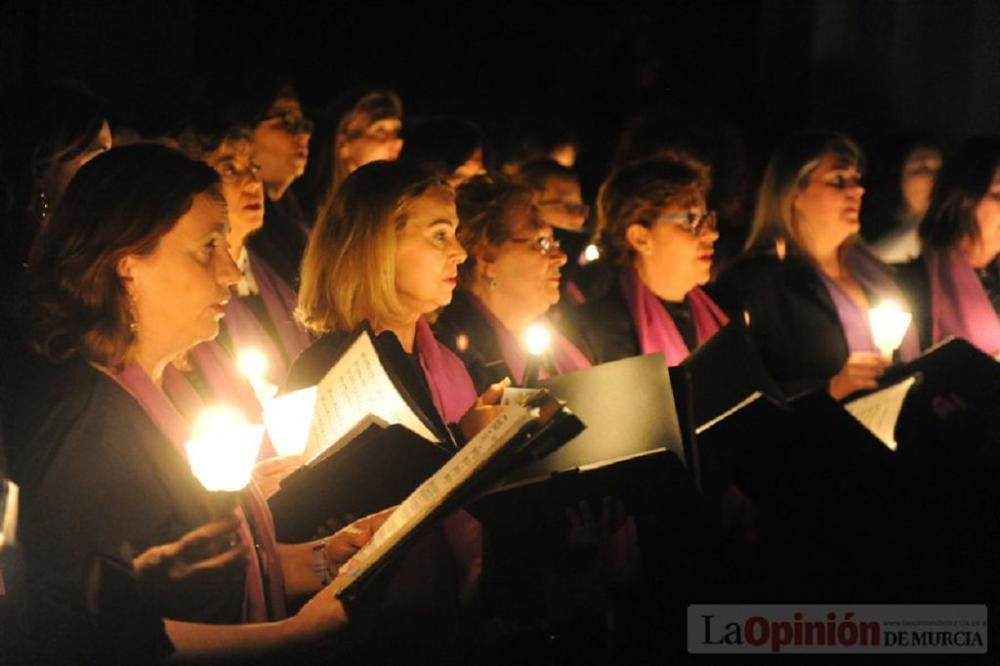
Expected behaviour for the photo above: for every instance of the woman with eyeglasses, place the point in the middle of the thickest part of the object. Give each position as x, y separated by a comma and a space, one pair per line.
510, 281
352, 131
260, 314
280, 135
661, 236
806, 282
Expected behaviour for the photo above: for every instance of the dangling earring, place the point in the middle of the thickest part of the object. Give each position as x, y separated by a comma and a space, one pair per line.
43, 207
133, 322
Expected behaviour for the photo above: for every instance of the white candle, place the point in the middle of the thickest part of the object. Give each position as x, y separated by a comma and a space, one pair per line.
223, 449
537, 339
253, 364
289, 418
889, 324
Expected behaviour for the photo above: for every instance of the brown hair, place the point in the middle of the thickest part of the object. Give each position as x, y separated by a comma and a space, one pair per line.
963, 182
484, 206
120, 203
349, 269
636, 193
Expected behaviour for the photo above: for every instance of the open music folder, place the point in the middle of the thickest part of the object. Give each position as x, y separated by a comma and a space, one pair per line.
370, 446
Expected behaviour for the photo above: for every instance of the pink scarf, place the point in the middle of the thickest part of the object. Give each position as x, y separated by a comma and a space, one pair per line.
451, 387
959, 304
875, 278
657, 331
453, 394
279, 302
174, 427
564, 355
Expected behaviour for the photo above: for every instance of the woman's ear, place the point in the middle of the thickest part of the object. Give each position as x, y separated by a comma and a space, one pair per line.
637, 237
124, 267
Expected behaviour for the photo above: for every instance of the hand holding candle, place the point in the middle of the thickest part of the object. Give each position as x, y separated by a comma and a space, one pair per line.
223, 449
889, 323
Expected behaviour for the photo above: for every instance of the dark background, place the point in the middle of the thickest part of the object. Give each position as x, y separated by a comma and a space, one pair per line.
872, 67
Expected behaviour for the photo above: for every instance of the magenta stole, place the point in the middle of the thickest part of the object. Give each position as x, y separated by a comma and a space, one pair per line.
564, 355
959, 304
175, 428
453, 394
656, 330
875, 279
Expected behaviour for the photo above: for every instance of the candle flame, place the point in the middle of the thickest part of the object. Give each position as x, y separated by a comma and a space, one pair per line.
223, 449
537, 339
889, 323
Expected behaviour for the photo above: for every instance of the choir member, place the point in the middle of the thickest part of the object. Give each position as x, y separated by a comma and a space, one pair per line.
955, 283
280, 133
130, 272
385, 254
661, 236
509, 282
352, 131
806, 282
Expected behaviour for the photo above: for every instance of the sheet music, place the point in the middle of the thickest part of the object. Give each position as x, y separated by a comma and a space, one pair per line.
433, 492
879, 411
355, 387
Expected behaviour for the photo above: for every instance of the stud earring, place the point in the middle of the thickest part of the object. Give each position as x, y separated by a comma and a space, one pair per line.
493, 283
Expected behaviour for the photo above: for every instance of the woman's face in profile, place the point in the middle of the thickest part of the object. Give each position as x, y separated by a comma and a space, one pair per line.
180, 288
526, 268
678, 246
428, 253
827, 209
241, 187
981, 252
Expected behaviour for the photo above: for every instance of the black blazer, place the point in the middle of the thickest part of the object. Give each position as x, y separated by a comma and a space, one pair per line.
481, 350
602, 327
793, 320
914, 282
97, 476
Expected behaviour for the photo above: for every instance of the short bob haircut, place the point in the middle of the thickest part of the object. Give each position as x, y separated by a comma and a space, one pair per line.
788, 172
636, 193
485, 205
962, 183
122, 202
349, 269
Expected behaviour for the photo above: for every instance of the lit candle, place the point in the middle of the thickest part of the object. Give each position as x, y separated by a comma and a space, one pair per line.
889, 324
537, 339
288, 419
253, 364
591, 253
222, 451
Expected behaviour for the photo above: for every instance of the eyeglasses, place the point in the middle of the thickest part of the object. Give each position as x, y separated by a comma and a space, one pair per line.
544, 245
291, 123
570, 208
693, 222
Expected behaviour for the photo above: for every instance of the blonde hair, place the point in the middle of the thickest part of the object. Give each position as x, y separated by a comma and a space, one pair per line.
349, 268
787, 173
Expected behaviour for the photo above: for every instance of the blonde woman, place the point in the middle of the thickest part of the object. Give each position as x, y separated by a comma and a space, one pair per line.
805, 281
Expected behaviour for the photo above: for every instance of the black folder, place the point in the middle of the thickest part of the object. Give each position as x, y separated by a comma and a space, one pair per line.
376, 470
633, 441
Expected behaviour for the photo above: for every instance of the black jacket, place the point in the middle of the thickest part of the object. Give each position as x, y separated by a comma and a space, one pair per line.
793, 320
